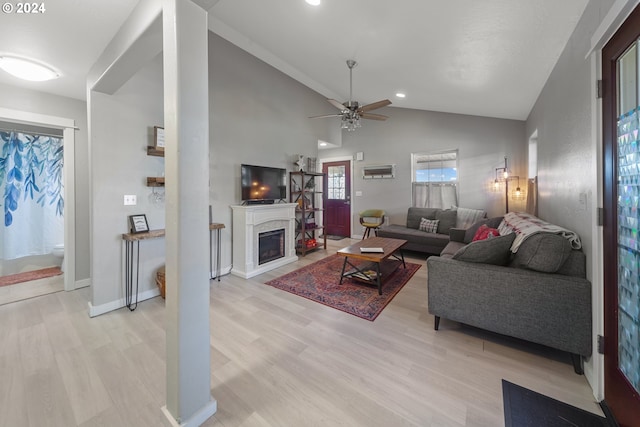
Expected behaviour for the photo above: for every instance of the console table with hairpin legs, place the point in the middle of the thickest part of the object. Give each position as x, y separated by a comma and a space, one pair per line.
132, 252
217, 227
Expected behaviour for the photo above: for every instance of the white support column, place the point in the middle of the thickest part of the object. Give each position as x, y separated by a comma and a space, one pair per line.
186, 123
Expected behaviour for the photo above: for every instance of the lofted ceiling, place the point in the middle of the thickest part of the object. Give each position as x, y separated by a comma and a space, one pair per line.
487, 58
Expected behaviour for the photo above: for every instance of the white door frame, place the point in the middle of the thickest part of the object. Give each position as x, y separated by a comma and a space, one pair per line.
68, 180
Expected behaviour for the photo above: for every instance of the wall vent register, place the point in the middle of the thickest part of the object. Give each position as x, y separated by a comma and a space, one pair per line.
380, 171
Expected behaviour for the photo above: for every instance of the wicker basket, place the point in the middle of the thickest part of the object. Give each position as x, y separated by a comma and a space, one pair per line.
160, 280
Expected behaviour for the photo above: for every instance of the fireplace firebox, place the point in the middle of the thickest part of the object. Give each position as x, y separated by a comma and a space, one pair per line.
270, 246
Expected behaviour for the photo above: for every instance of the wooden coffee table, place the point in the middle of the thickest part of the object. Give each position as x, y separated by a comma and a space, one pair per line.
378, 266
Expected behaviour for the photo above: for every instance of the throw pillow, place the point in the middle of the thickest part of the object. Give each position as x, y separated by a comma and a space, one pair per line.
491, 223
414, 215
466, 217
485, 232
447, 220
429, 225
545, 252
494, 251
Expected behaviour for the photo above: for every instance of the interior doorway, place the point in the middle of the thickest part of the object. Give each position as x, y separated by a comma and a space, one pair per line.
67, 129
32, 230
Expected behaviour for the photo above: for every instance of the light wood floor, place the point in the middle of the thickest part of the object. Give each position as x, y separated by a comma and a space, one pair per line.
31, 289
277, 360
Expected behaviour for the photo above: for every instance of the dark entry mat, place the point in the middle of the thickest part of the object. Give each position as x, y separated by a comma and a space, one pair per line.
332, 237
526, 408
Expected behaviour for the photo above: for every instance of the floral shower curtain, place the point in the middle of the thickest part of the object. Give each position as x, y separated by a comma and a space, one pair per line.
32, 194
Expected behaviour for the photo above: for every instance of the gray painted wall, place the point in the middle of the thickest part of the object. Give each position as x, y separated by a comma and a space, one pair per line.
568, 154
33, 101
567, 160
121, 128
258, 116
481, 142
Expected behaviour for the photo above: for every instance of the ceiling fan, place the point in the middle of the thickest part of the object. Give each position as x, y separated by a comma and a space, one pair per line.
351, 111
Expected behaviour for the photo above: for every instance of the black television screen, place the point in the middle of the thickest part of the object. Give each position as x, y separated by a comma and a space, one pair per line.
263, 183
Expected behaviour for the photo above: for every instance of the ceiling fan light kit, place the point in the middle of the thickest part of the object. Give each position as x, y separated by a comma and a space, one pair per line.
351, 112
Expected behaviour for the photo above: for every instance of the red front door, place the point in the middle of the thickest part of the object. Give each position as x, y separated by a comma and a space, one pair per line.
337, 198
621, 190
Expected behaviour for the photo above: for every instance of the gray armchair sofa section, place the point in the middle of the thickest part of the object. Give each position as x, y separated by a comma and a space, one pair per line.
548, 308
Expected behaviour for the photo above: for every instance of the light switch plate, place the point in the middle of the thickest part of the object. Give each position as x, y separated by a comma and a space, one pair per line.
130, 200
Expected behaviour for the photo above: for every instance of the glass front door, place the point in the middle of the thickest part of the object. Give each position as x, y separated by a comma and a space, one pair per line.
628, 218
621, 194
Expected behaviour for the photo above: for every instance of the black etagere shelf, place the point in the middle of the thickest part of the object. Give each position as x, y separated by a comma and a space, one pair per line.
305, 189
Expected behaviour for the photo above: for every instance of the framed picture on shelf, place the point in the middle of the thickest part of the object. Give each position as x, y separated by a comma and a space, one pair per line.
138, 223
158, 137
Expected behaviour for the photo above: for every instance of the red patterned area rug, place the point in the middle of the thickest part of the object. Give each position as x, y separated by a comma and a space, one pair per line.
29, 275
319, 282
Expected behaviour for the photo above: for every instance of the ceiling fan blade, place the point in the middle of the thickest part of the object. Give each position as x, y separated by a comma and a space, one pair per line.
374, 106
372, 116
337, 104
326, 115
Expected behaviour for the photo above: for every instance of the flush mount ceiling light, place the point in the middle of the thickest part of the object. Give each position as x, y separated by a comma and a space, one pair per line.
401, 95
313, 2
27, 69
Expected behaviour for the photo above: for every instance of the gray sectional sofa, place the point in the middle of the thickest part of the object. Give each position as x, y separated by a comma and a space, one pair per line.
539, 294
431, 243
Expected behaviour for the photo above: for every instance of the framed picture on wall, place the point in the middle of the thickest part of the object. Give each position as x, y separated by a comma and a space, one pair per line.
138, 223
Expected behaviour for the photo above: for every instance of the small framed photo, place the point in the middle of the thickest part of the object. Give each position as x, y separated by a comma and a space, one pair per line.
158, 137
138, 223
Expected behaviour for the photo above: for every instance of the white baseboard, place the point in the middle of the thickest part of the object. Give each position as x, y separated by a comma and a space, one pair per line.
83, 283
265, 267
223, 271
197, 419
115, 305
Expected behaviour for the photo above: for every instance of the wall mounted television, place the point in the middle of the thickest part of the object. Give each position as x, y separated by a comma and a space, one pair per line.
262, 184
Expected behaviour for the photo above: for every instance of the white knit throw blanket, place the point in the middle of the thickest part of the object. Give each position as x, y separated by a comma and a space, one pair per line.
525, 225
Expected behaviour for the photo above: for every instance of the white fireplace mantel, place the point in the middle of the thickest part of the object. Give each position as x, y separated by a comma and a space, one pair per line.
251, 220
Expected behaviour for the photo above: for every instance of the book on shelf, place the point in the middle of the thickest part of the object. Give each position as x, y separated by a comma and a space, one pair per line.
372, 250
